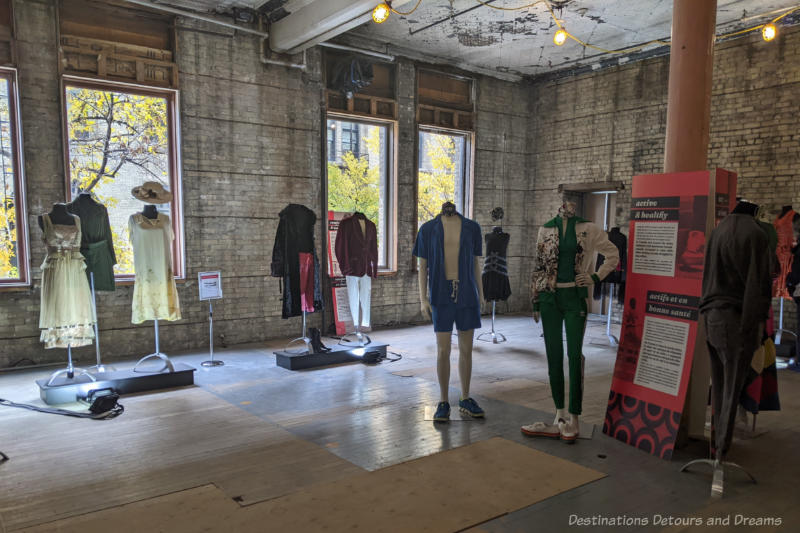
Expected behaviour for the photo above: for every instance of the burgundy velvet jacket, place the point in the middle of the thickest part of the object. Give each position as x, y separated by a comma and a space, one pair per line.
357, 251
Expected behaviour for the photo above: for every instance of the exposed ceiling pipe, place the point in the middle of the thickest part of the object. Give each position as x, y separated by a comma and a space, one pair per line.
386, 57
189, 14
265, 59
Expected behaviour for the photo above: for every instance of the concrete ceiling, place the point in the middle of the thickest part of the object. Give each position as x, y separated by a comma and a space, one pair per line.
513, 44
467, 34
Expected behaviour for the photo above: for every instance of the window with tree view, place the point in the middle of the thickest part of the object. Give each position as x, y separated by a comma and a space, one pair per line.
359, 174
443, 172
119, 139
13, 261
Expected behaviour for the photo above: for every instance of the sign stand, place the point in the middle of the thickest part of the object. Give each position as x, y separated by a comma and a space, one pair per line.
210, 287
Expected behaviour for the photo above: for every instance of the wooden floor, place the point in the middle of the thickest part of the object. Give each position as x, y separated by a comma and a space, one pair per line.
257, 432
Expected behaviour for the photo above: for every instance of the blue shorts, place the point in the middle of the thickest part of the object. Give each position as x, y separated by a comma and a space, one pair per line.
465, 318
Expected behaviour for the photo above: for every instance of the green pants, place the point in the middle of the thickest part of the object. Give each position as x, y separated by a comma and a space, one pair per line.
567, 308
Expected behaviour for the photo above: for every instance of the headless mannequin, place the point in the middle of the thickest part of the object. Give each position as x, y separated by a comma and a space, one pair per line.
58, 215
452, 245
362, 223
150, 212
581, 280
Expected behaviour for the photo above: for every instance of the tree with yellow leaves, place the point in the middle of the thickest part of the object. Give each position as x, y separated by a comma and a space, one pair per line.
116, 137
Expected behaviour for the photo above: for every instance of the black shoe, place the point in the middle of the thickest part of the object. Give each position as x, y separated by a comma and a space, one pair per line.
316, 341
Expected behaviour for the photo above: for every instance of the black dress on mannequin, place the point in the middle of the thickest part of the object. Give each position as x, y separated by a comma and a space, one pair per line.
495, 268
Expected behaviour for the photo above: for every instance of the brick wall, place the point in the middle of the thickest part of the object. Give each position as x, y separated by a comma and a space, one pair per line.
610, 125
251, 143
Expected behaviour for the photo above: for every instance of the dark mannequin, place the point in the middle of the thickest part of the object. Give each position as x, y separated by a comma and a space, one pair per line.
59, 215
747, 208
785, 209
448, 209
150, 212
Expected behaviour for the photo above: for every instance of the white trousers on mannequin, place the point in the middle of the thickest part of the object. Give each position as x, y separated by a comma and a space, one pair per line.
358, 290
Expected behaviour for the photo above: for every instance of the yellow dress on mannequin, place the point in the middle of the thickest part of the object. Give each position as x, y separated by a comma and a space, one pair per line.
65, 317
155, 296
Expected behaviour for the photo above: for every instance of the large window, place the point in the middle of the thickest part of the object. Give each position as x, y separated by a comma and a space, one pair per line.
360, 175
443, 174
120, 136
13, 234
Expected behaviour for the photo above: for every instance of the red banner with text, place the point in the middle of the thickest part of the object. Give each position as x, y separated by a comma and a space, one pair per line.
671, 215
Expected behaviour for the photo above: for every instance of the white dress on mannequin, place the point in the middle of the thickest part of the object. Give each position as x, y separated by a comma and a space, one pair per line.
155, 296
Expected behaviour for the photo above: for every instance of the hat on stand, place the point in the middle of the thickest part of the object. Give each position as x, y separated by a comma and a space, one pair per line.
152, 192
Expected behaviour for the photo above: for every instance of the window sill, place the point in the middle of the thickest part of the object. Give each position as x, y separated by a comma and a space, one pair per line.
16, 287
386, 273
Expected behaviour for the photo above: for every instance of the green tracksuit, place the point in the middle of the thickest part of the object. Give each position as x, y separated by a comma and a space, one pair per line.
565, 308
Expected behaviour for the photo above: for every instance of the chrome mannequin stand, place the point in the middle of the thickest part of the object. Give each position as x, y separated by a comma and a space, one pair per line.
780, 331
611, 338
492, 336
157, 355
718, 467
70, 371
355, 339
212, 361
304, 339
99, 367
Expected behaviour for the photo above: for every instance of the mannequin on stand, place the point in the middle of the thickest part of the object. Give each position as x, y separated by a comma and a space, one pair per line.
564, 271
495, 272
450, 290
155, 296
357, 254
65, 316
734, 307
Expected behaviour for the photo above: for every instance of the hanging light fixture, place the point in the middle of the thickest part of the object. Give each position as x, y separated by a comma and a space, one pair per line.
769, 32
381, 13
560, 37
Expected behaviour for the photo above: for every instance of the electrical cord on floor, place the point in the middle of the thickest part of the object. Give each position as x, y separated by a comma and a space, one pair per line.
102, 408
373, 358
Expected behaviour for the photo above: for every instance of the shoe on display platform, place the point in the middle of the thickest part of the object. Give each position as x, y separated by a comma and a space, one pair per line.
540, 429
569, 431
470, 407
442, 412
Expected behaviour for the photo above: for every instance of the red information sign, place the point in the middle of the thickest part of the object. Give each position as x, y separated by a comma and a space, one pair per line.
671, 216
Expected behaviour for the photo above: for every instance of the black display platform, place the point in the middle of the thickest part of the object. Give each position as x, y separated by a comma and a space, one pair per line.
338, 354
66, 390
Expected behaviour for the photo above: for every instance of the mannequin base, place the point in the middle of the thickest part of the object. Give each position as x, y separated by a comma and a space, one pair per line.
718, 467
164, 358
64, 390
339, 354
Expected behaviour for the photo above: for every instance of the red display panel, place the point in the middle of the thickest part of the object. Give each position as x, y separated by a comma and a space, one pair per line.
671, 215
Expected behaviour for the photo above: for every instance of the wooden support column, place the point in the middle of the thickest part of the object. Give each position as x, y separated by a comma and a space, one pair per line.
686, 149
690, 77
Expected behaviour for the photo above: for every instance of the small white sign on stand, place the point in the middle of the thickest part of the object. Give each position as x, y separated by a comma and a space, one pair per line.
210, 287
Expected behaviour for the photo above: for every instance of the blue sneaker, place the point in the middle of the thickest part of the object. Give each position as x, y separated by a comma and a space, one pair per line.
442, 412
470, 407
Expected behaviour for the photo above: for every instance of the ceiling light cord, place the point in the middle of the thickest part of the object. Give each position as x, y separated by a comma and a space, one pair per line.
400, 12
625, 50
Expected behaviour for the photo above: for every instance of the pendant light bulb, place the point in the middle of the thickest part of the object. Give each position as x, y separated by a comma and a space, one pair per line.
560, 37
381, 13
769, 32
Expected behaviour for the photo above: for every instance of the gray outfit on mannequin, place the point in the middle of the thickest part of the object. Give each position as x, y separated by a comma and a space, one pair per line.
736, 299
